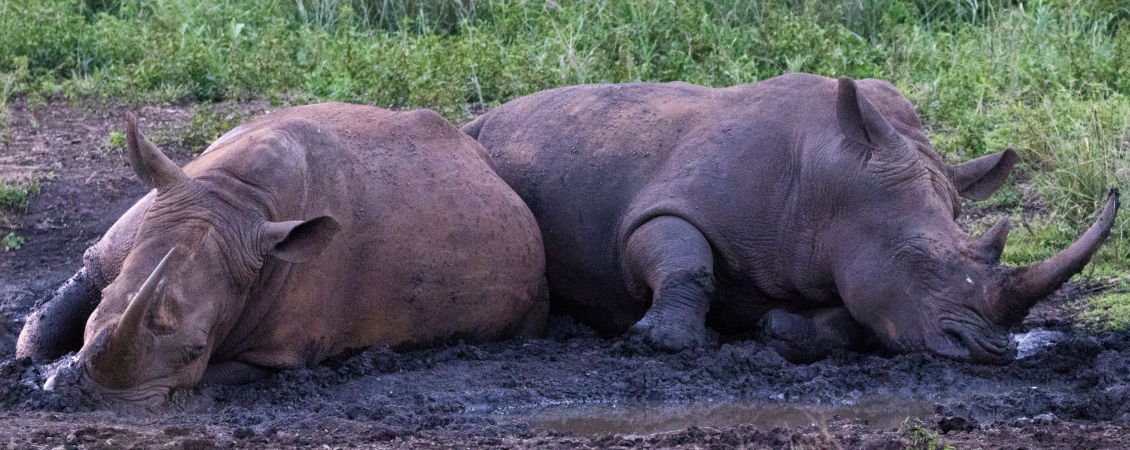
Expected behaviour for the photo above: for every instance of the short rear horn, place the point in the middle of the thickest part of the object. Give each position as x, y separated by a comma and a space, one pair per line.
154, 168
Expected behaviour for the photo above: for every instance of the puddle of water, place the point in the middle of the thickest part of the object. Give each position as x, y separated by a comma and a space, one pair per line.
1028, 343
647, 418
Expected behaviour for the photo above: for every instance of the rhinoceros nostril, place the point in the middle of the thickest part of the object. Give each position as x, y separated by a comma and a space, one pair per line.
956, 338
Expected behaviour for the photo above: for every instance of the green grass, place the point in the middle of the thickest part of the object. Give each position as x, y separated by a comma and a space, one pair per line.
1109, 311
12, 242
919, 436
1049, 78
207, 124
14, 196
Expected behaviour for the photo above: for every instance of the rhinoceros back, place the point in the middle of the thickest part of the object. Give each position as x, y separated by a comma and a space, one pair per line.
594, 162
434, 245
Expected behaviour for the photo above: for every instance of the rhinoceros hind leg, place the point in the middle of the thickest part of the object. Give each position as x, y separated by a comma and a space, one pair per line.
536, 319
808, 338
673, 260
232, 373
55, 327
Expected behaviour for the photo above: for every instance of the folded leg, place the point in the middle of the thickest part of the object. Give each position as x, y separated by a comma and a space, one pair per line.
812, 336
231, 373
673, 260
55, 327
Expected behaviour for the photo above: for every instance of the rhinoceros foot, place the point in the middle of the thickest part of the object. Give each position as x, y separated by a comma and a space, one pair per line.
671, 336
791, 336
804, 339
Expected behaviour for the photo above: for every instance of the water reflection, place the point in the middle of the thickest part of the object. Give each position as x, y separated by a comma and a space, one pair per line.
646, 418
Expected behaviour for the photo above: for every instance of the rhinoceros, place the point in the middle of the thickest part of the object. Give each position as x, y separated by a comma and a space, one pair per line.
305, 232
807, 210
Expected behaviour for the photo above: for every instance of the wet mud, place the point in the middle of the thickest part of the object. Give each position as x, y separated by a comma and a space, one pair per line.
570, 389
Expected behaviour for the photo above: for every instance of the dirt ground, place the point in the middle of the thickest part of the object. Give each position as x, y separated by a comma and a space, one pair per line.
568, 390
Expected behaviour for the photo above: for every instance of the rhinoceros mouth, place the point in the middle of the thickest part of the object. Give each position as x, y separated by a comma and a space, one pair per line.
145, 394
977, 343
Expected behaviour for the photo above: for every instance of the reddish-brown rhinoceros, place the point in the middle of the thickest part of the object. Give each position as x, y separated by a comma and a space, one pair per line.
804, 203
305, 232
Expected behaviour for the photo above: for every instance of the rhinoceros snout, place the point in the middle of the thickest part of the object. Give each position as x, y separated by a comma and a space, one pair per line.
974, 346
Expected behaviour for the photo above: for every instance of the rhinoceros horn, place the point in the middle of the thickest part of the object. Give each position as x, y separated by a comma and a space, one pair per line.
1032, 283
153, 167
134, 317
990, 245
121, 347
862, 123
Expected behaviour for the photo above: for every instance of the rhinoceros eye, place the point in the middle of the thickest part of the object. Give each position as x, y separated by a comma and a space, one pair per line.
190, 353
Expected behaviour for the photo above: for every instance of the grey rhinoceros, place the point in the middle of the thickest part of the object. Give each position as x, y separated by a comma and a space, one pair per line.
811, 209
305, 232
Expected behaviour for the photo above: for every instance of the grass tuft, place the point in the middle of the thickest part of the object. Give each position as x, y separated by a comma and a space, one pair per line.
14, 196
12, 242
919, 437
1109, 311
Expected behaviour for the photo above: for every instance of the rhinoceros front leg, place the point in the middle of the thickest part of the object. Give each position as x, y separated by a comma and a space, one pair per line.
673, 259
233, 373
812, 336
55, 327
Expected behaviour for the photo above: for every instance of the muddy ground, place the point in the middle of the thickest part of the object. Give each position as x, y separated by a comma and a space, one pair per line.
568, 390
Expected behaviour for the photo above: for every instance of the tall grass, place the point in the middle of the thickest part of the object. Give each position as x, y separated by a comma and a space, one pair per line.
1049, 78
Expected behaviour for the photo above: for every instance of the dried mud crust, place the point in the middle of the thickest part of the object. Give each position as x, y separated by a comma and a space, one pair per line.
459, 396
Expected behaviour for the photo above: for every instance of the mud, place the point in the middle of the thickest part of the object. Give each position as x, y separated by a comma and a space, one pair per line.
661, 417
570, 389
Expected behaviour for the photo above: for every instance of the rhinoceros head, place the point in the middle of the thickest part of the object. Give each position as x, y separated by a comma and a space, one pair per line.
901, 264
195, 259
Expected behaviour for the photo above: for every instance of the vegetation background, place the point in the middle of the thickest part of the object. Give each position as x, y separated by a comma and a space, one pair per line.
1049, 78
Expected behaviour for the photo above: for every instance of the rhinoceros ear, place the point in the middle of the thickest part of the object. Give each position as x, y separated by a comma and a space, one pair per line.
862, 123
298, 241
980, 178
153, 167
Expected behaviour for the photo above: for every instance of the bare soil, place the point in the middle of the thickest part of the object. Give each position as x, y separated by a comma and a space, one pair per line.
1071, 394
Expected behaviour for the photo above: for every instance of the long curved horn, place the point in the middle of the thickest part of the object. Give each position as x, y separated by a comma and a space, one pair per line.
113, 357
133, 318
1032, 283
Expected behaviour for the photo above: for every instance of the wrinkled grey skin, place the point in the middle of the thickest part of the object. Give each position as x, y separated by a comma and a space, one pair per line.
306, 232
811, 209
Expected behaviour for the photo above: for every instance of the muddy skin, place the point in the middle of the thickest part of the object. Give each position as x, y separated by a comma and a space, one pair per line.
62, 316
488, 395
814, 336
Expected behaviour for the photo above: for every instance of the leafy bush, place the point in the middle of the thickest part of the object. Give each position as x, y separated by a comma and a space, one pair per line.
15, 195
208, 124
12, 242
919, 437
